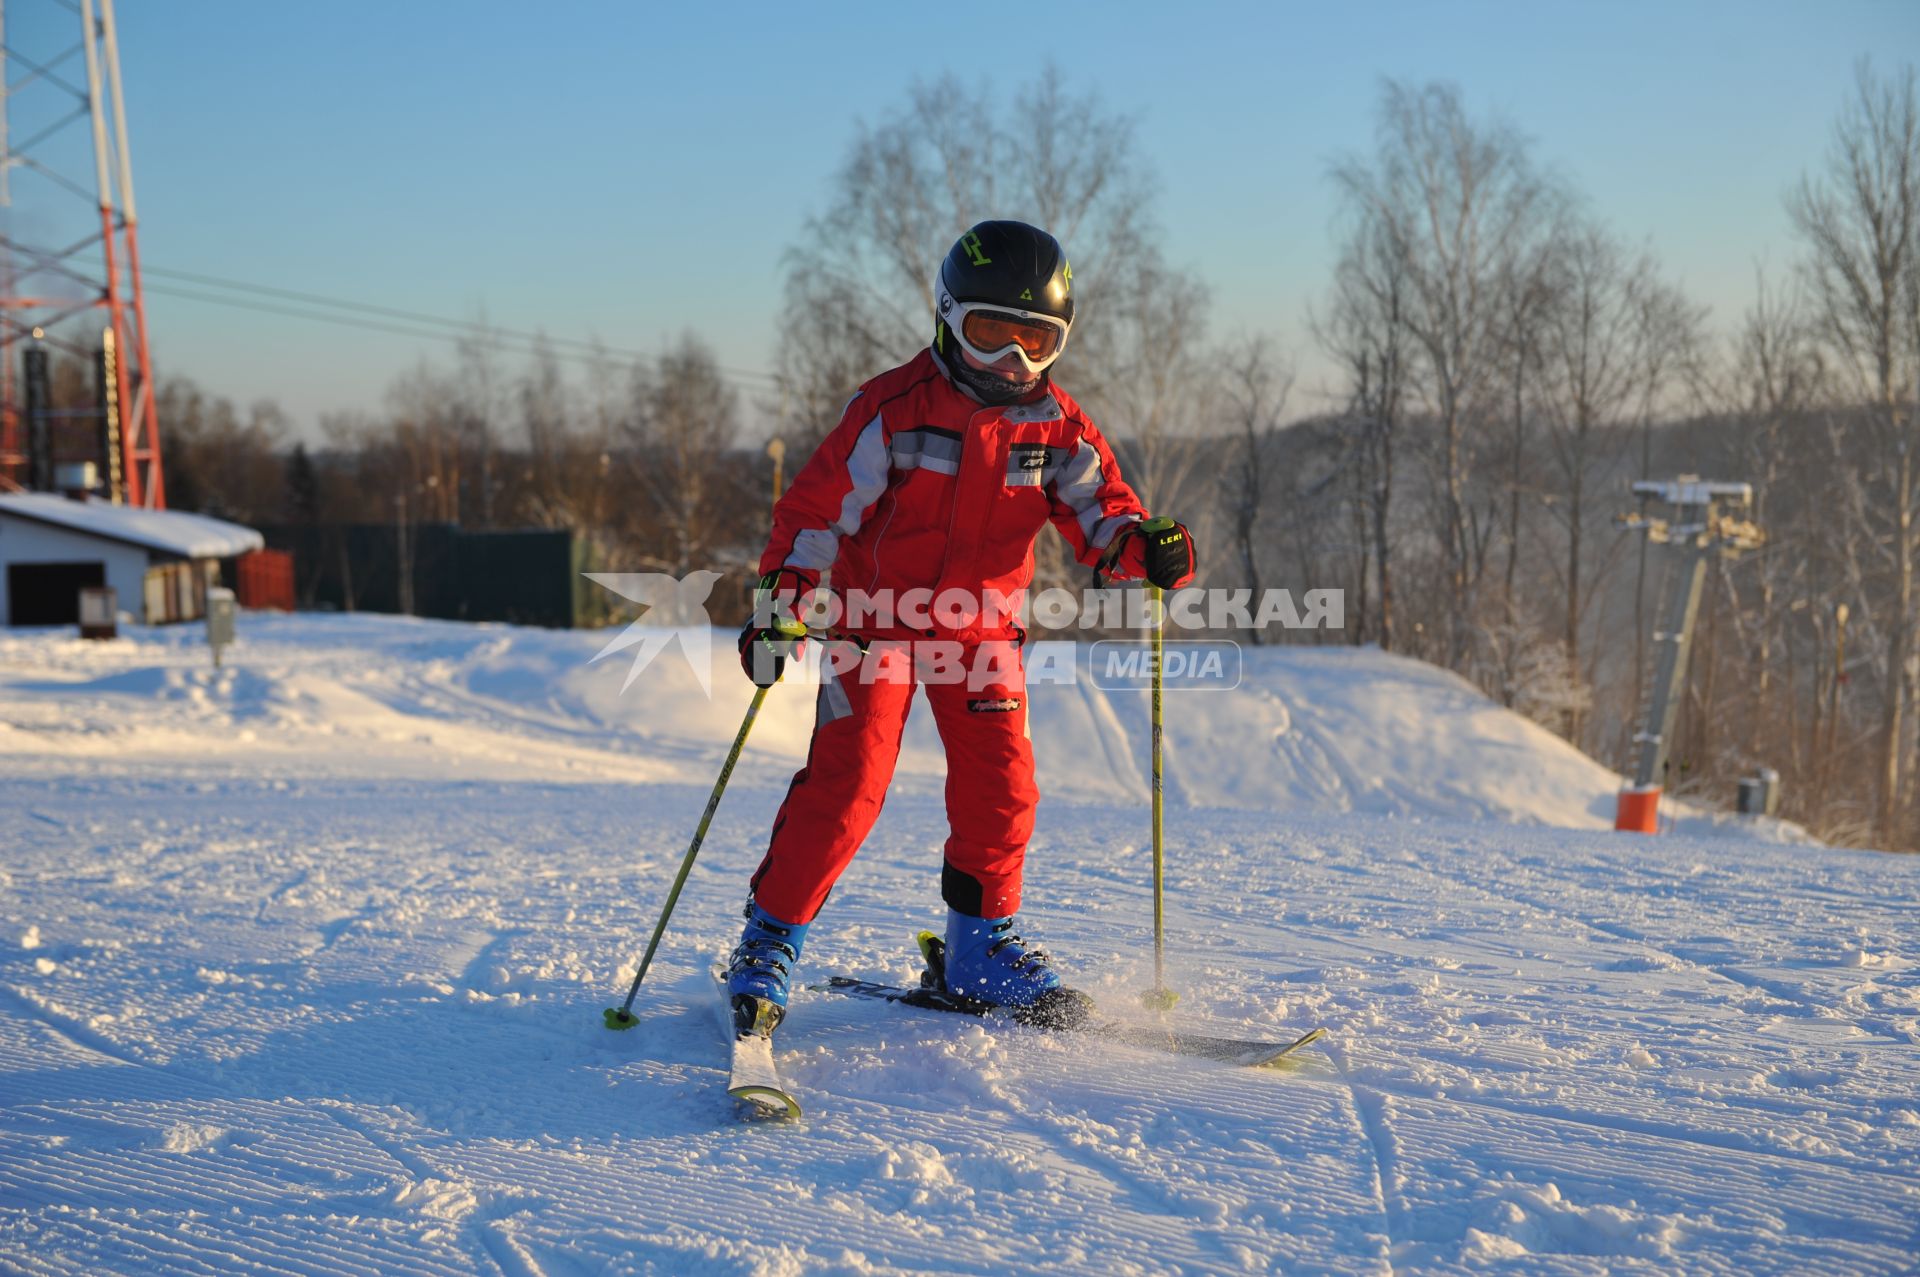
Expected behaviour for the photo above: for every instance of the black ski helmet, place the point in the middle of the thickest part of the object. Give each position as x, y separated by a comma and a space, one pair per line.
1009, 266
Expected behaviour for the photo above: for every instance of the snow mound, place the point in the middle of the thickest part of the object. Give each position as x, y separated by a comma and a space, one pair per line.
1306, 731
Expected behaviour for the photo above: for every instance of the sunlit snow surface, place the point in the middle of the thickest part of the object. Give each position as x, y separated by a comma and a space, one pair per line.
302, 964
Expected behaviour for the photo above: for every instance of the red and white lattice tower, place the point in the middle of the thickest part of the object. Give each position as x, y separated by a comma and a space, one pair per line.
68, 280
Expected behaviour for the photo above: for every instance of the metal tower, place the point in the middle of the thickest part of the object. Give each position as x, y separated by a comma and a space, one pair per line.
70, 282
1701, 527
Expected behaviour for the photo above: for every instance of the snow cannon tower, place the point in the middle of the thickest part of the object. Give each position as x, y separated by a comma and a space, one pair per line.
69, 255
1702, 525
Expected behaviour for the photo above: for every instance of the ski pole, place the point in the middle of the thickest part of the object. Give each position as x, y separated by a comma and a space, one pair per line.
1159, 997
622, 1017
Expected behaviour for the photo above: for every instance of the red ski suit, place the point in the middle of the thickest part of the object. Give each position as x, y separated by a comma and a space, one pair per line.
921, 488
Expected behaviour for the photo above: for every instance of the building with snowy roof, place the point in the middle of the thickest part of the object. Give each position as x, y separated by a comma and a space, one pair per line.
158, 562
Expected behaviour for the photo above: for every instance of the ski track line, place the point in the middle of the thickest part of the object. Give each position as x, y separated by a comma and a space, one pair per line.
1780, 994
484, 1226
1118, 738
1824, 1210
1672, 1132
415, 696
1704, 1138
1115, 741
1370, 1103
1050, 1130
332, 932
1322, 741
1649, 1129
474, 972
71, 1029
1143, 1232
275, 897
1615, 931
1369, 1110
1623, 1122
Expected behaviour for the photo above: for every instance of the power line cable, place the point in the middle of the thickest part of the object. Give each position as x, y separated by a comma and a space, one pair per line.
460, 330
511, 345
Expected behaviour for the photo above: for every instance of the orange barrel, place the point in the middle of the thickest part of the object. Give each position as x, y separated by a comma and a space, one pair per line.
1639, 810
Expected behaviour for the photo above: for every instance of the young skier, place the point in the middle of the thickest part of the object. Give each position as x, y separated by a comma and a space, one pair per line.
937, 480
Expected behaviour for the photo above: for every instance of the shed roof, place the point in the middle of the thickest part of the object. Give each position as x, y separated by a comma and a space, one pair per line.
190, 536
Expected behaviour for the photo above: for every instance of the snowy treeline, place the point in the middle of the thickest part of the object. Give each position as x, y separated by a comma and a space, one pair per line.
1506, 365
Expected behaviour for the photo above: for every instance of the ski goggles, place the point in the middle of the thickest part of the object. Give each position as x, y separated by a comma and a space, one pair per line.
989, 332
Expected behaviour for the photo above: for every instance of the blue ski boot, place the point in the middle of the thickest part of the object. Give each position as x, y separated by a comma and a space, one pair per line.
762, 963
984, 962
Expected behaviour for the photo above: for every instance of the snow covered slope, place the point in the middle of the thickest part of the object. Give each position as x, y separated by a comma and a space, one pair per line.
1308, 730
301, 967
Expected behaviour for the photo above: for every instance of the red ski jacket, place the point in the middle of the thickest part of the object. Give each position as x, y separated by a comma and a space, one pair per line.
920, 488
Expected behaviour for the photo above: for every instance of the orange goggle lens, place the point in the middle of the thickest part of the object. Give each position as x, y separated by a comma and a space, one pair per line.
989, 332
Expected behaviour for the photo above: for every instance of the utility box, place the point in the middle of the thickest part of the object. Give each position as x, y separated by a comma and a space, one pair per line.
1759, 793
220, 614
99, 612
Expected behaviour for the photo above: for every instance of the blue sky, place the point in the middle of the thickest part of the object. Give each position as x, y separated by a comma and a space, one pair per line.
629, 170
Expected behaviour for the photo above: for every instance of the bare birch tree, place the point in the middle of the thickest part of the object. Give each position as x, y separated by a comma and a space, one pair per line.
685, 418
544, 412
1455, 201
481, 404
1860, 220
1526, 290
1257, 386
1604, 339
1775, 378
1364, 331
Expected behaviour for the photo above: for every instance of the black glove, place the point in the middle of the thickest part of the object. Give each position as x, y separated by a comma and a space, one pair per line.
1159, 551
764, 651
774, 633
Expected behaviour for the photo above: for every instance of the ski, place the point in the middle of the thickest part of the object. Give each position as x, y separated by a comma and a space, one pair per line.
753, 1078
1241, 1051
931, 996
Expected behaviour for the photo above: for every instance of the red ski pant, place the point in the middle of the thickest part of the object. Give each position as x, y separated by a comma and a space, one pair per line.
979, 700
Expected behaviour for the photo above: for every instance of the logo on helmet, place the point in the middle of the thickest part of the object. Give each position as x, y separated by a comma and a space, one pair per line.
975, 253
